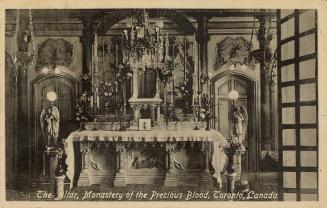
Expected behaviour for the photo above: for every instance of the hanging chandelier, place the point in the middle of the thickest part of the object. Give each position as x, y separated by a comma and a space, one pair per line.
143, 45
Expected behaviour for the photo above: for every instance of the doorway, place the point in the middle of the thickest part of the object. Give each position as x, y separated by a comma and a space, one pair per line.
222, 85
66, 90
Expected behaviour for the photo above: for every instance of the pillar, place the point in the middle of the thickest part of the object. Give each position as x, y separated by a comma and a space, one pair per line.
206, 180
84, 177
170, 179
87, 41
203, 39
120, 161
24, 59
264, 38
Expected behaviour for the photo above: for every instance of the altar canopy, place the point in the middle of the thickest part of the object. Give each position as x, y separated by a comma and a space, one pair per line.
217, 159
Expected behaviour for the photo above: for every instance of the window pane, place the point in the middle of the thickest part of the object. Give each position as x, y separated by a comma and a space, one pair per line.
289, 158
289, 197
307, 20
309, 180
309, 197
308, 137
285, 12
307, 44
287, 51
289, 180
288, 136
308, 158
288, 115
287, 73
308, 92
287, 29
288, 94
308, 114
307, 69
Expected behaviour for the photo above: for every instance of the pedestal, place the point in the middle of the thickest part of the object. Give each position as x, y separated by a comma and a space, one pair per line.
238, 163
170, 179
230, 182
53, 159
59, 184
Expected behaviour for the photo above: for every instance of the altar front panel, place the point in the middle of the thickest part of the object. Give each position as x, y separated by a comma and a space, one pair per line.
143, 157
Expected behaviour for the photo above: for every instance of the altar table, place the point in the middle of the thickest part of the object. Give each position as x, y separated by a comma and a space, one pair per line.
120, 141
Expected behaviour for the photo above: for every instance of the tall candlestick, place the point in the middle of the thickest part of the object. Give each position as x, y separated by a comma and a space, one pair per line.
102, 54
185, 59
167, 47
116, 55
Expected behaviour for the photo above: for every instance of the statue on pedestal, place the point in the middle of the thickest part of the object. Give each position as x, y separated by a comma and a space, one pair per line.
49, 119
239, 122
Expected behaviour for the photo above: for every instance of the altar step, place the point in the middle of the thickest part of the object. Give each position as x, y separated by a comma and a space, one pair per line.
158, 177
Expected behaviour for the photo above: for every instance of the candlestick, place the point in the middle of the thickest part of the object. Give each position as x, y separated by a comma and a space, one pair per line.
167, 47
116, 55
185, 59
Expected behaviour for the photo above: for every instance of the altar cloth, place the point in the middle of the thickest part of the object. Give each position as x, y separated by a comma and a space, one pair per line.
218, 157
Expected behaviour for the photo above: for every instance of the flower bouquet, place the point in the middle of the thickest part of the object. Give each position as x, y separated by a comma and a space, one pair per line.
83, 111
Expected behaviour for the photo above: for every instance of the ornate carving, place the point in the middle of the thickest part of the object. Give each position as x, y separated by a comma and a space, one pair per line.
233, 51
54, 52
148, 157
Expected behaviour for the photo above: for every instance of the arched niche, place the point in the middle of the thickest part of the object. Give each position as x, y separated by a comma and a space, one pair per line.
247, 86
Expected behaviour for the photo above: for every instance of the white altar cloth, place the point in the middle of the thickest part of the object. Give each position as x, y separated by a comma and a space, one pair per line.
218, 158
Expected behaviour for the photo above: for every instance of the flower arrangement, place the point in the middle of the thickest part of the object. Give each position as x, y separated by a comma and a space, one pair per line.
205, 110
186, 91
83, 112
124, 73
166, 71
204, 78
106, 90
169, 112
232, 147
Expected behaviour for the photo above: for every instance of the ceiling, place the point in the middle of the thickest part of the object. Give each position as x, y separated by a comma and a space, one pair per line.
70, 20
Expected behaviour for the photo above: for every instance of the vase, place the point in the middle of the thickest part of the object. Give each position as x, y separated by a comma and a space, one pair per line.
81, 126
208, 125
59, 182
230, 165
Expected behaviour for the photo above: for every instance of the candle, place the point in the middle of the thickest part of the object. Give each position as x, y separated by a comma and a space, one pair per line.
91, 102
98, 101
192, 99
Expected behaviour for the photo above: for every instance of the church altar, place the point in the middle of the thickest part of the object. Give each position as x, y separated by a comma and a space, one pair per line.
144, 157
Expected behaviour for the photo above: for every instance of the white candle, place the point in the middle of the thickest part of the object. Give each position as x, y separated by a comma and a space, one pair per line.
98, 101
91, 101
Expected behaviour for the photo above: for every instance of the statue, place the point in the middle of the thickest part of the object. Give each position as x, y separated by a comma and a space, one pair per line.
239, 122
50, 122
